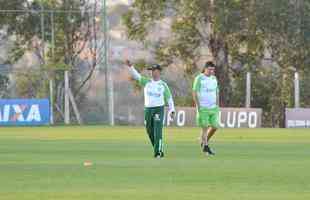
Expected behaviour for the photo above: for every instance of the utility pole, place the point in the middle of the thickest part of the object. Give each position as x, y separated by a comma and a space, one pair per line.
44, 62
108, 80
51, 71
42, 33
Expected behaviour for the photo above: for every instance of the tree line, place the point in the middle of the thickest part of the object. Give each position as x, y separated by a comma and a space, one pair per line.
270, 39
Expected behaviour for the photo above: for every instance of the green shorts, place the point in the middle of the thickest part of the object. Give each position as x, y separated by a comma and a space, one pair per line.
208, 117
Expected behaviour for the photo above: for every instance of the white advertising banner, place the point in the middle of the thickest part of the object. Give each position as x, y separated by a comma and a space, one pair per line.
297, 117
229, 117
186, 117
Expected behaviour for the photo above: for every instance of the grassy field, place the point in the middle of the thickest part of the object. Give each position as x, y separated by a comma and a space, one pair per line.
47, 163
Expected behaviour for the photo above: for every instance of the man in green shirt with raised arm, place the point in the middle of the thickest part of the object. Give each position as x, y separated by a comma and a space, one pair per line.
156, 95
205, 95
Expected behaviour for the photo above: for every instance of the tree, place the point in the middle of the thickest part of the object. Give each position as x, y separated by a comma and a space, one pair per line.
286, 28
234, 32
76, 48
223, 27
4, 83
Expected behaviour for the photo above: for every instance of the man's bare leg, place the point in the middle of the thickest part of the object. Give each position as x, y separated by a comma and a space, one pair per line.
211, 132
204, 136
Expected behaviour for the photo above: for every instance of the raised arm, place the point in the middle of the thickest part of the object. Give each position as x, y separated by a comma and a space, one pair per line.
133, 72
142, 81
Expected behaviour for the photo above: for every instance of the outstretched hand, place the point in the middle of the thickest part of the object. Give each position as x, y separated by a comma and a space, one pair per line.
128, 63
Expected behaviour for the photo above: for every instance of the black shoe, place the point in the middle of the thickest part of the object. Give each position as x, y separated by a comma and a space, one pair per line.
208, 150
159, 155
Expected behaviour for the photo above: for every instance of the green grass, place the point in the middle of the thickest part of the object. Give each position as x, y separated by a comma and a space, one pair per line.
47, 163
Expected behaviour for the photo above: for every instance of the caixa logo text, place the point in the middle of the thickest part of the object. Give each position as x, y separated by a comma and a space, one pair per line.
20, 113
14, 112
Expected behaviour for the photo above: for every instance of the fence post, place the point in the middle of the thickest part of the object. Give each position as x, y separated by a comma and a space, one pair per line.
67, 103
297, 90
248, 90
51, 102
111, 99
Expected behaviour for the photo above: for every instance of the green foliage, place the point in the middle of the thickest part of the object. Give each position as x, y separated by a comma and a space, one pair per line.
305, 88
190, 38
4, 83
137, 23
31, 31
32, 84
242, 31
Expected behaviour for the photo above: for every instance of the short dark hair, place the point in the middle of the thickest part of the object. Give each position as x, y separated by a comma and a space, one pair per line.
209, 64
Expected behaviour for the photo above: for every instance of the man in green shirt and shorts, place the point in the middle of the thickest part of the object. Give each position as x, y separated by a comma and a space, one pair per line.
205, 95
156, 95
